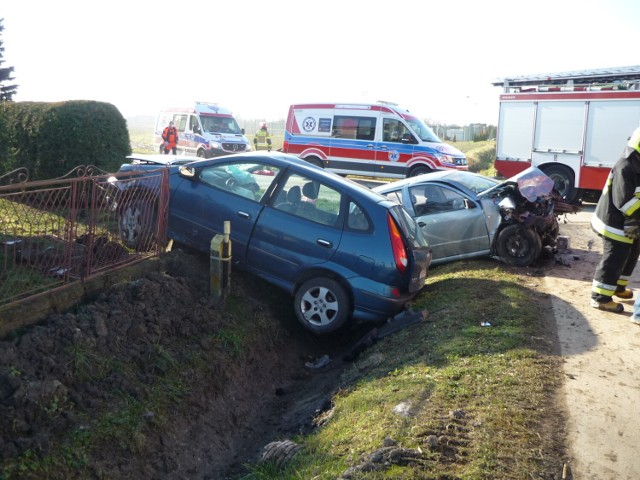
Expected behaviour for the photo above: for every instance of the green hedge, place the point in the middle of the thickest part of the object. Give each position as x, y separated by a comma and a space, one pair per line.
51, 139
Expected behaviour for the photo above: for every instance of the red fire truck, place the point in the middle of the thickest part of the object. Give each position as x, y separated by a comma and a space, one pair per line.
571, 125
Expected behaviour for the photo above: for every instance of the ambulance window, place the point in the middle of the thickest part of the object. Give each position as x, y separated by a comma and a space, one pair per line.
361, 128
193, 123
392, 130
181, 122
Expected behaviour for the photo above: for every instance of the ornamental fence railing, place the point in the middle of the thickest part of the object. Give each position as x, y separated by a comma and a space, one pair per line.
68, 229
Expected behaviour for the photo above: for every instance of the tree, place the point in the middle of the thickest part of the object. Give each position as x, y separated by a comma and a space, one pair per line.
6, 74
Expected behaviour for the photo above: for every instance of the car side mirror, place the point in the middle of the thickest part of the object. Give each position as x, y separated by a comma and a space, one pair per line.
242, 130
187, 172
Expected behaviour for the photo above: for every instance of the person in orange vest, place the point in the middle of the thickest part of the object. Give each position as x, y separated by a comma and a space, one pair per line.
170, 137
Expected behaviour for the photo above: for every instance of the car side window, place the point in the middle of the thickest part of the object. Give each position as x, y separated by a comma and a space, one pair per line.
454, 200
395, 197
249, 180
418, 200
429, 199
357, 220
310, 199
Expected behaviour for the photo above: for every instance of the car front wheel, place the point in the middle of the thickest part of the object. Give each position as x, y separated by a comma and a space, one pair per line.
137, 225
518, 245
321, 305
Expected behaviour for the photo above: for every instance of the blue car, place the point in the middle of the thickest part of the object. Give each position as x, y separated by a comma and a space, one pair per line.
341, 250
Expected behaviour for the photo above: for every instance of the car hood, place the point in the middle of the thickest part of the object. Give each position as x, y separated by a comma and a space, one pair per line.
532, 184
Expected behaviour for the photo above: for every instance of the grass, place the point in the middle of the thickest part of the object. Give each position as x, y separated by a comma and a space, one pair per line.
479, 397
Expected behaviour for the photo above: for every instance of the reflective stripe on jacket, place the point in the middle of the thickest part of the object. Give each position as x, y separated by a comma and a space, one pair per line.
620, 199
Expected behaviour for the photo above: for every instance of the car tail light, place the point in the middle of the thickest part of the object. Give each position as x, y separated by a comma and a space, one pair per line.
397, 245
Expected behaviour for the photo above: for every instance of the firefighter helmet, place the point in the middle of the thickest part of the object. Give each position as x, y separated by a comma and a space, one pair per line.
263, 125
634, 140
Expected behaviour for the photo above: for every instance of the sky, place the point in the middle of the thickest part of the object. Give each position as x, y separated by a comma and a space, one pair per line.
437, 59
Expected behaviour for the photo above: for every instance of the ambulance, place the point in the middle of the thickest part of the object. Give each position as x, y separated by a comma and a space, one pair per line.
205, 130
377, 140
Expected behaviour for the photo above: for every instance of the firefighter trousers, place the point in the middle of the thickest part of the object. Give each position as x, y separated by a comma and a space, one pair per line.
615, 268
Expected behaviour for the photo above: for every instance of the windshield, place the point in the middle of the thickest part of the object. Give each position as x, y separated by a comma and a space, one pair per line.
423, 131
474, 182
220, 124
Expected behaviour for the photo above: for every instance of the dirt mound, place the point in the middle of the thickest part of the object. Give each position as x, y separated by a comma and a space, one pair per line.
150, 380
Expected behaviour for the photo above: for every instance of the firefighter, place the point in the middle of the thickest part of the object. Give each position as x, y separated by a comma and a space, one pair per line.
262, 137
617, 220
170, 137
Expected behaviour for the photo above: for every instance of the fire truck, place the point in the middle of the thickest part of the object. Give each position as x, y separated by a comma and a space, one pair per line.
573, 126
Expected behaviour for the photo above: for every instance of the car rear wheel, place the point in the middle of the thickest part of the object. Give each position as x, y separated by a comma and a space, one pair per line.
137, 225
321, 305
518, 245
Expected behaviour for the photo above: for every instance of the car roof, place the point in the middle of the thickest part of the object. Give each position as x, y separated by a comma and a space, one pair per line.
437, 176
284, 160
160, 159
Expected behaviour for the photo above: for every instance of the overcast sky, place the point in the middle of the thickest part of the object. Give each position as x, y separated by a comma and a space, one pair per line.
437, 59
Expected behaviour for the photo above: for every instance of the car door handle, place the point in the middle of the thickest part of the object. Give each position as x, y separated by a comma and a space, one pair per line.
370, 146
383, 147
324, 243
244, 215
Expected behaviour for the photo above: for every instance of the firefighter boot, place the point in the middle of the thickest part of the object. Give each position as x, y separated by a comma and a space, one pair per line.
625, 294
611, 306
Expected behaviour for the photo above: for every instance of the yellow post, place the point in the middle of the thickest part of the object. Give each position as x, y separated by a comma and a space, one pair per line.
220, 266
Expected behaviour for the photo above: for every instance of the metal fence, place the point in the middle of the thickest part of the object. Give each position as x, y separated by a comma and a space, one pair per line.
59, 231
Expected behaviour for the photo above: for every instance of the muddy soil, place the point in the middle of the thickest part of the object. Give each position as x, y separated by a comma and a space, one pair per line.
128, 346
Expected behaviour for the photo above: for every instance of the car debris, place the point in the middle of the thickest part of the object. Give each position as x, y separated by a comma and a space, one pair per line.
401, 320
319, 362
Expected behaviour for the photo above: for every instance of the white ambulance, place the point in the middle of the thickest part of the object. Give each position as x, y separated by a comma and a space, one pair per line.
205, 129
378, 140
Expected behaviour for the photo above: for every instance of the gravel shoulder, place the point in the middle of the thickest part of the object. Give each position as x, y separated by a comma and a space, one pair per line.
601, 361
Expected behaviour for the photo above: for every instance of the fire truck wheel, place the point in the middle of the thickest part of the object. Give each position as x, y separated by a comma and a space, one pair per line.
562, 181
518, 245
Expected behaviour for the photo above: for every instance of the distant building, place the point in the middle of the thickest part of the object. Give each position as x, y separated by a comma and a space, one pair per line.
455, 134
